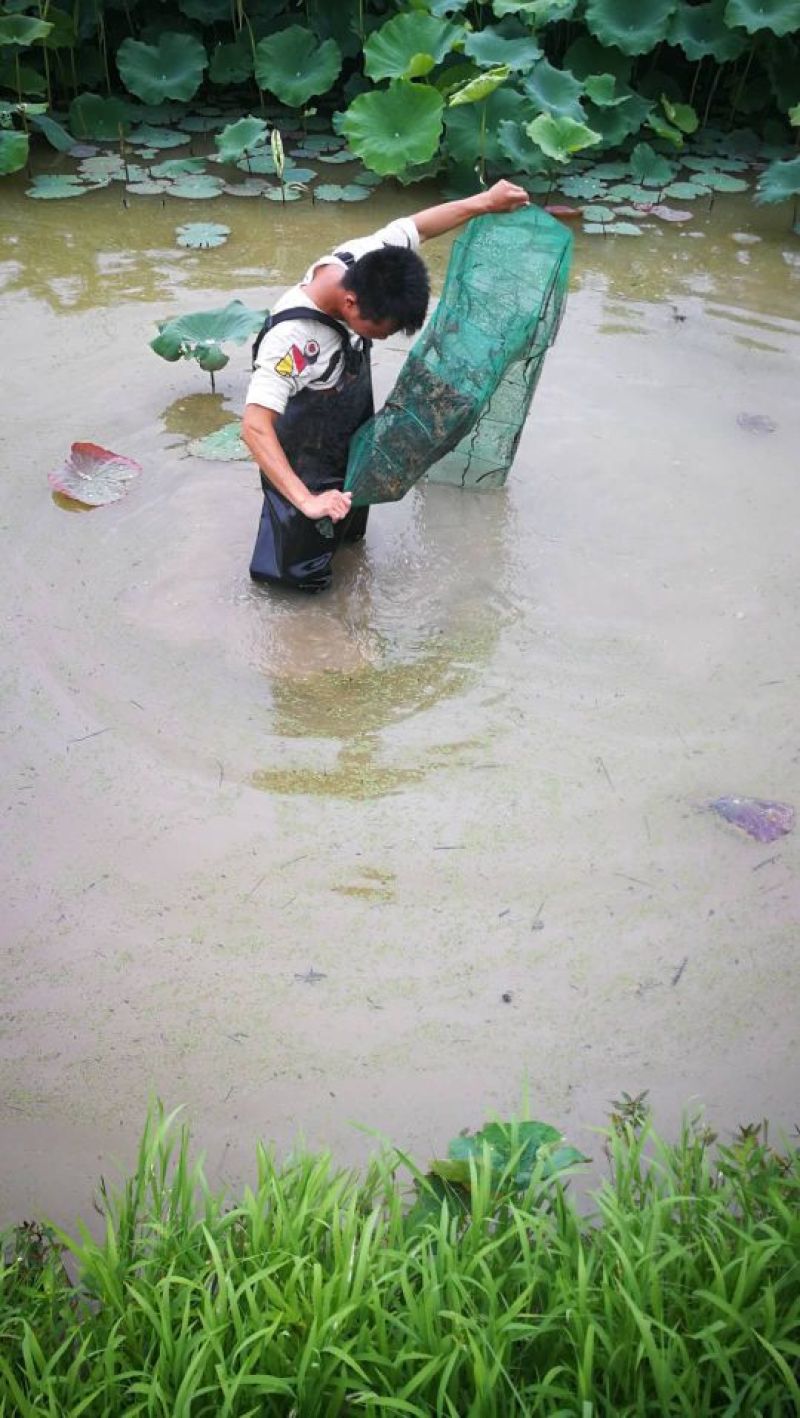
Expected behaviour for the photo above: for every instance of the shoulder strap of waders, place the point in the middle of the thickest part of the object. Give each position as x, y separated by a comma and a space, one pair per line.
299, 312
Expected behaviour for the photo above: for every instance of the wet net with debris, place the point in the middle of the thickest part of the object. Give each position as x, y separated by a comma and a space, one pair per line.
463, 394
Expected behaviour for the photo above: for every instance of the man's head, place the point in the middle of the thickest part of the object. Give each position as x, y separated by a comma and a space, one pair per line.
386, 291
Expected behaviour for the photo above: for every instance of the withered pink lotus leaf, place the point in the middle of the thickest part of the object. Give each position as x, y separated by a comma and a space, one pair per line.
93, 476
761, 819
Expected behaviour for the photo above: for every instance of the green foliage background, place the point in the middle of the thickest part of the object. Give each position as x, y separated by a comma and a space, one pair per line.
415, 85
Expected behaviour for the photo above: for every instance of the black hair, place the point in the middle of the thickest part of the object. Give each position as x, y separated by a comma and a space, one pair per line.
391, 284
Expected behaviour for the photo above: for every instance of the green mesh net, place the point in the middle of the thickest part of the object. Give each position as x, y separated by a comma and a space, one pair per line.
463, 394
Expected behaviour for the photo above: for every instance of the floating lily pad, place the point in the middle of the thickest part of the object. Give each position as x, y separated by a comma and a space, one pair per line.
250, 187
156, 138
49, 187
582, 186
197, 188
669, 214
93, 476
199, 236
761, 819
224, 446
368, 179
598, 214
342, 155
624, 229
172, 68
83, 150
149, 187
202, 122
178, 167
287, 193
649, 167
609, 171
687, 191
331, 192
724, 182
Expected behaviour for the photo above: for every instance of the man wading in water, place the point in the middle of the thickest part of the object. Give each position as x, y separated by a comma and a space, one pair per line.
311, 387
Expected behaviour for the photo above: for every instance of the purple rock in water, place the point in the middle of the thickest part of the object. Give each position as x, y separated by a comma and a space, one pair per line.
763, 820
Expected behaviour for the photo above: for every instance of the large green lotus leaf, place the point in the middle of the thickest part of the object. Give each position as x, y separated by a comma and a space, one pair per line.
49, 187
147, 136
472, 130
91, 116
239, 138
231, 63
515, 144
602, 90
294, 66
489, 48
22, 30
616, 124
649, 167
391, 51
559, 138
392, 128
201, 335
700, 30
634, 26
13, 150
200, 236
56, 136
224, 446
587, 56
555, 91
172, 68
479, 88
780, 16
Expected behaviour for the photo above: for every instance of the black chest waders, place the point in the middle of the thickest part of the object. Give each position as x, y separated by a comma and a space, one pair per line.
315, 432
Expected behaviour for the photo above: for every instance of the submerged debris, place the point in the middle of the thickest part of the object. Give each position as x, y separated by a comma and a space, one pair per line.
761, 819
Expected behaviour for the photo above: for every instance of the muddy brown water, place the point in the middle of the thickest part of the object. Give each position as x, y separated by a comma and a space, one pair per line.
475, 769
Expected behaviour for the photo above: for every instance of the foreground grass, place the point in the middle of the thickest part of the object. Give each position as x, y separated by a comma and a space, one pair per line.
321, 1292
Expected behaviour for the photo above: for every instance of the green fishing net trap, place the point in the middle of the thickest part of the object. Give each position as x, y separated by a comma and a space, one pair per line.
462, 397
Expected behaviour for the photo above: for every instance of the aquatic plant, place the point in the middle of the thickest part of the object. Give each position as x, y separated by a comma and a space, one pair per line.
476, 1285
200, 336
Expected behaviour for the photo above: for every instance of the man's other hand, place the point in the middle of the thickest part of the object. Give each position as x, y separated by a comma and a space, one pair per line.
504, 196
333, 504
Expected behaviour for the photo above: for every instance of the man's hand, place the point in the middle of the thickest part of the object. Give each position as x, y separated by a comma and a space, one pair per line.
504, 196
333, 504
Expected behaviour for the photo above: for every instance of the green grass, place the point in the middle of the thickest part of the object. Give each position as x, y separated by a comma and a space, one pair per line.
675, 1289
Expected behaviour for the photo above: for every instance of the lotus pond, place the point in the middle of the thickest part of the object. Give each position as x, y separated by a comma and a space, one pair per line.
406, 853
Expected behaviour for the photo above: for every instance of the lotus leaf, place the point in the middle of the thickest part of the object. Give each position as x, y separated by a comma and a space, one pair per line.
368, 179
172, 68
251, 187
197, 188
83, 150
199, 236
441, 8
239, 138
13, 151
555, 91
602, 90
794, 116
518, 148
93, 476
634, 26
316, 143
391, 52
779, 16
472, 130
700, 30
559, 138
208, 12
392, 128
294, 66
342, 155
224, 446
715, 164
155, 138
479, 88
231, 63
616, 124
649, 167
56, 136
300, 175
21, 78
149, 187
609, 171
287, 193
178, 167
687, 191
342, 21
724, 182
202, 122
538, 13
91, 116
201, 336
587, 56
50, 187
351, 192
669, 214
22, 30
514, 1151
779, 182
261, 163
629, 192
581, 186
624, 229
489, 47
109, 165
681, 114
761, 819
598, 214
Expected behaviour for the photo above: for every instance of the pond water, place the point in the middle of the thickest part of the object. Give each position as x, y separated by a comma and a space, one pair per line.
432, 847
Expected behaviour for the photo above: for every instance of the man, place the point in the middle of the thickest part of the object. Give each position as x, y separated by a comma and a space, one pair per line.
311, 387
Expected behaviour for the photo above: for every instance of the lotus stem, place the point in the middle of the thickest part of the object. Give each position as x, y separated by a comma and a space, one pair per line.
695, 80
741, 84
712, 91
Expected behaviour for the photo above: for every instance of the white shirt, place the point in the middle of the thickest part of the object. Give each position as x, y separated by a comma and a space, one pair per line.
298, 352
